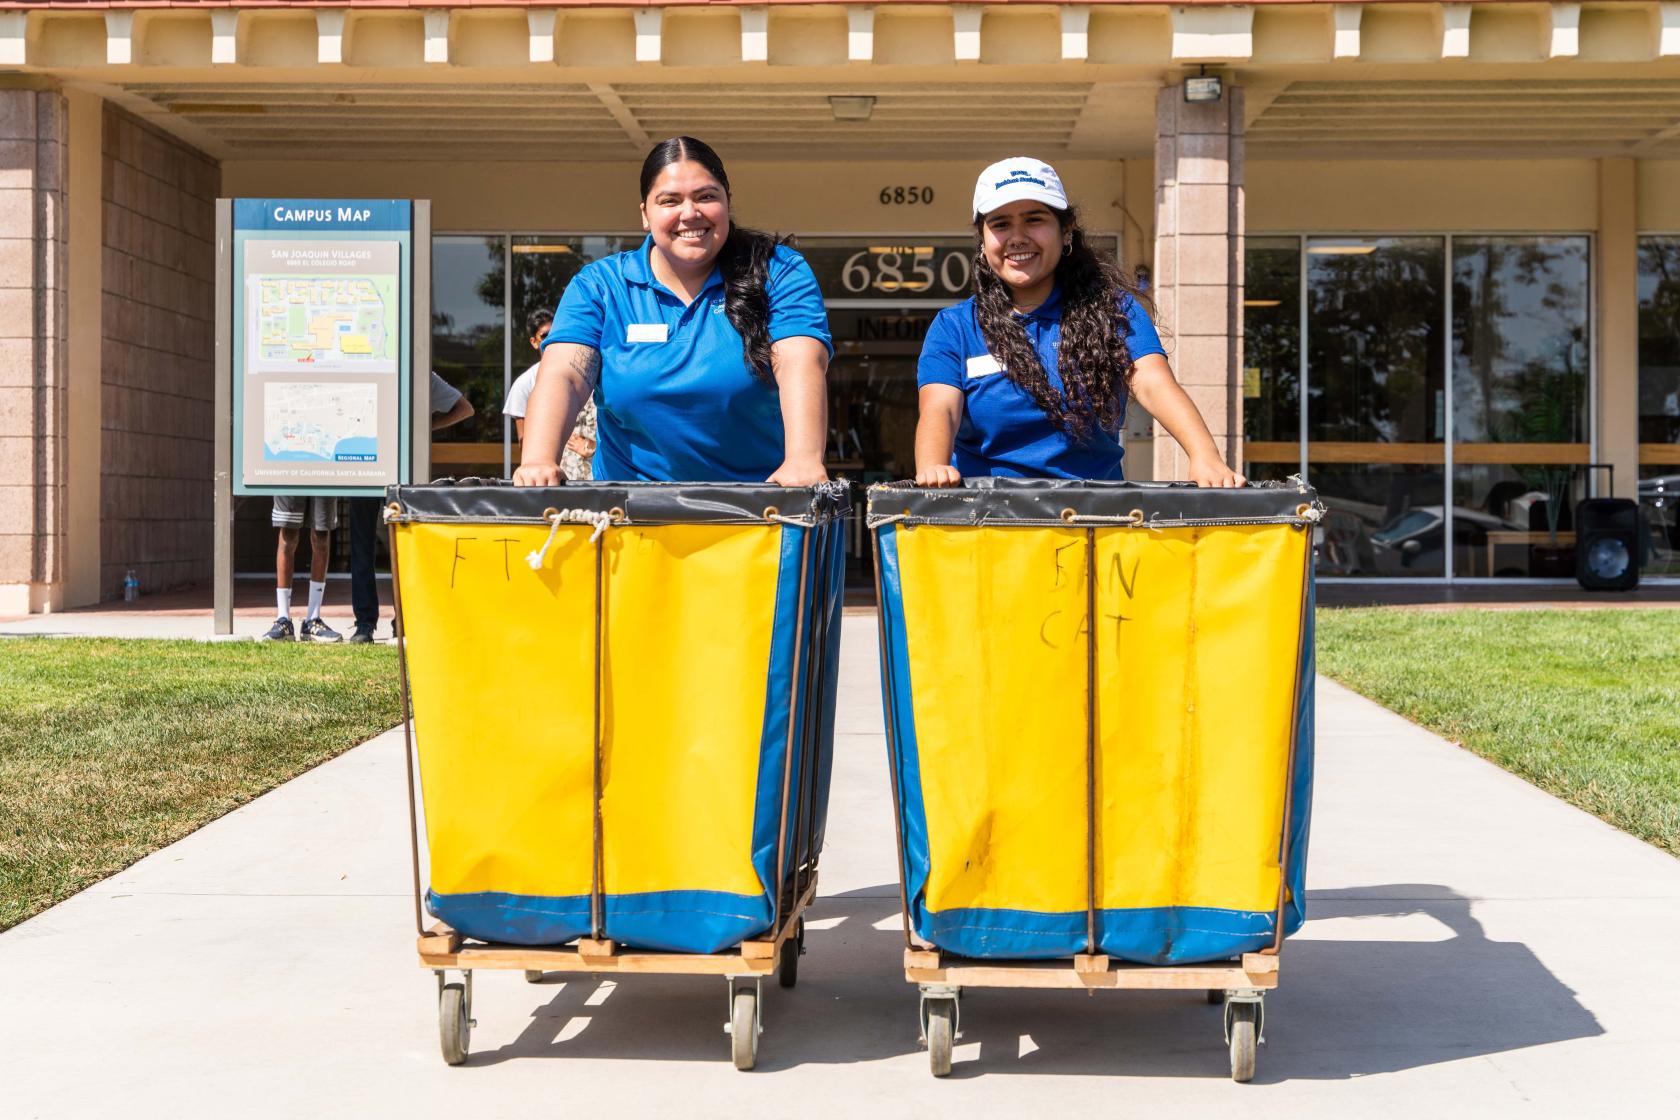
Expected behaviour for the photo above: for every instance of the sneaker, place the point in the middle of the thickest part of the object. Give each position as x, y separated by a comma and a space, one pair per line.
281, 631
317, 630
361, 637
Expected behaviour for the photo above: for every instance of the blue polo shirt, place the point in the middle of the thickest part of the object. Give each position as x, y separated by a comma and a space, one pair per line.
1003, 431
676, 401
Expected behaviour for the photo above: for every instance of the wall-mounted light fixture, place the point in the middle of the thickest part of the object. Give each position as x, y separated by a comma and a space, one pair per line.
1203, 87
851, 108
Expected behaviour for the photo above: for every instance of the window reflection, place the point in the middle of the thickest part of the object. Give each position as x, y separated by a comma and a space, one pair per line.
543, 266
1659, 506
1375, 311
1520, 308
1659, 341
1518, 519
1272, 339
1382, 519
1659, 401
467, 349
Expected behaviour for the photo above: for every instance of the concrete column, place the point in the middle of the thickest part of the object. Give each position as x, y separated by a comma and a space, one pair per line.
32, 350
1618, 323
84, 357
1199, 263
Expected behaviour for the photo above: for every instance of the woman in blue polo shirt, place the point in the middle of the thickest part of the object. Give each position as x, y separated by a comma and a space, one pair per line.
1029, 377
706, 348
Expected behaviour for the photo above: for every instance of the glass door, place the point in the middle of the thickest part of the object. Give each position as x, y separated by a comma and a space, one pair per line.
469, 350
1376, 414
1396, 357
872, 406
1659, 402
1520, 392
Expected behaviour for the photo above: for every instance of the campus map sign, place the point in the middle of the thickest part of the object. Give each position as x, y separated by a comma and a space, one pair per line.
322, 296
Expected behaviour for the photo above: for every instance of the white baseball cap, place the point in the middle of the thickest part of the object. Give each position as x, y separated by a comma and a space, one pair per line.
1010, 180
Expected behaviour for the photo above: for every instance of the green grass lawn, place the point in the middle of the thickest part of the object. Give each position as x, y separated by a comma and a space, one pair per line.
112, 749
1584, 704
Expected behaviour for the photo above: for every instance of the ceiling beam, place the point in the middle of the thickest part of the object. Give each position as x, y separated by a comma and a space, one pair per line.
608, 96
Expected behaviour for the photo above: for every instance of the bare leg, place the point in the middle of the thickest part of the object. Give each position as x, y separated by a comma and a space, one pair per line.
320, 548
285, 556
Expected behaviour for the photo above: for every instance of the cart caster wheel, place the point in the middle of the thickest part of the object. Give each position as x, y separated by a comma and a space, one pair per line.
534, 975
454, 1028
743, 1028
1215, 996
787, 969
941, 1027
1242, 1041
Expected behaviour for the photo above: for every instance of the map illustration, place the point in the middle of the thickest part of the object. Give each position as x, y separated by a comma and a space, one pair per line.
322, 338
315, 422
325, 324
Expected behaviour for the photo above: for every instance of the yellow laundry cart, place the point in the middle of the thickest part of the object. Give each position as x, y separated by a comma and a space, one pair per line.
621, 699
1099, 718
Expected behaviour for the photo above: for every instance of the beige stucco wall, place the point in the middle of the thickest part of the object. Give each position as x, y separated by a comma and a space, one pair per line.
1658, 184
1356, 196
796, 197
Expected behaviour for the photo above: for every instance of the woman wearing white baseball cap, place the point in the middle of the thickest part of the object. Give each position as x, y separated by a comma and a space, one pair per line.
1029, 376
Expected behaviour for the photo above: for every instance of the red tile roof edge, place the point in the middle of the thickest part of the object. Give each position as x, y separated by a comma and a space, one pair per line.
280, 5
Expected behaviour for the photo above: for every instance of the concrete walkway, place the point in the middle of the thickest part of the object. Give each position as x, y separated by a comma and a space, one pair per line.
1476, 948
188, 613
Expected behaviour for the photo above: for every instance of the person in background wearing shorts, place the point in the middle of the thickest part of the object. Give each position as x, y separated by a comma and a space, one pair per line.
449, 406
580, 448
290, 513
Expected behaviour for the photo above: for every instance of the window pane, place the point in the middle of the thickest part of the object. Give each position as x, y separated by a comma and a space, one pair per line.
1520, 346
1382, 520
1515, 520
1659, 506
1659, 341
1375, 312
542, 267
467, 347
1271, 339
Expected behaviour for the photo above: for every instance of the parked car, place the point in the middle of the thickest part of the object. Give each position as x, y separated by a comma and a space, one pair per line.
1413, 542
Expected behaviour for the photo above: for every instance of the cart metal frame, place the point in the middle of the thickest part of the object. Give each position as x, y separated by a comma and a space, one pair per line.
1238, 985
442, 949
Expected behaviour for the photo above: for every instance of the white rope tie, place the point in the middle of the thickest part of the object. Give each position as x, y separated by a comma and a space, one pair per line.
598, 518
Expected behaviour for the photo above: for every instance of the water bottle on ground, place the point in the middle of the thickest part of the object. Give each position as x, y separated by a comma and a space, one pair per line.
131, 587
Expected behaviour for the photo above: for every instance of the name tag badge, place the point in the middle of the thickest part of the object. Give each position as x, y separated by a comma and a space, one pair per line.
646, 332
983, 365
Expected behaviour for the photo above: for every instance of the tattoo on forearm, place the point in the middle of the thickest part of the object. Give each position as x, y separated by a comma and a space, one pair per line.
586, 365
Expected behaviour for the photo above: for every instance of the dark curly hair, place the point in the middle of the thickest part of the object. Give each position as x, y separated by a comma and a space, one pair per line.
1092, 358
744, 259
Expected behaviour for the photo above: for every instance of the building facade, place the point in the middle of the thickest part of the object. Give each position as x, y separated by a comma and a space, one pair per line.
1427, 255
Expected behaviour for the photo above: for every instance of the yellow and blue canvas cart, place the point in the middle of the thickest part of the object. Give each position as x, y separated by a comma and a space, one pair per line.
622, 709
1099, 723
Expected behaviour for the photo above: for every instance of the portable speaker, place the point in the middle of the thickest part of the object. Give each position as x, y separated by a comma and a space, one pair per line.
1607, 544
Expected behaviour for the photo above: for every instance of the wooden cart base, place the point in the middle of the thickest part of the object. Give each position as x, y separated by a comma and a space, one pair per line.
442, 947
1239, 985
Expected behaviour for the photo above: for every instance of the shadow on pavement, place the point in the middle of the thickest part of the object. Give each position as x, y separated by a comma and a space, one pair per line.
1345, 1008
